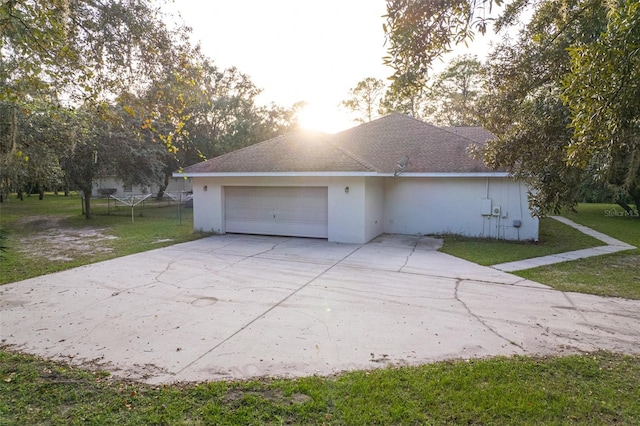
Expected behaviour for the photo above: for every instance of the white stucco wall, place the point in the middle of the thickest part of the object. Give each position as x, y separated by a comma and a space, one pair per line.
454, 205
401, 205
374, 207
346, 210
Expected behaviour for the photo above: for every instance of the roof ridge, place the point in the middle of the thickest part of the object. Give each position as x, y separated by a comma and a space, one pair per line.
463, 136
353, 157
244, 148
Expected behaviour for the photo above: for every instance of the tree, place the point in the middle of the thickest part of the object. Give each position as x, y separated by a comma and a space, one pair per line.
405, 95
524, 106
31, 163
204, 111
107, 141
150, 102
84, 47
82, 51
364, 99
452, 98
603, 94
418, 32
542, 100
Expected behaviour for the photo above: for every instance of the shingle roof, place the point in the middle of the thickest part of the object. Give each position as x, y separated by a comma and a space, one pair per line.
295, 152
376, 146
475, 133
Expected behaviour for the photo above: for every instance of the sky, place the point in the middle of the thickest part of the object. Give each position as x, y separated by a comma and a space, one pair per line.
295, 50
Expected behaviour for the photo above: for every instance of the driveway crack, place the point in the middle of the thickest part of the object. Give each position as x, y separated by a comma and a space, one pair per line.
481, 321
575, 308
409, 255
263, 314
273, 247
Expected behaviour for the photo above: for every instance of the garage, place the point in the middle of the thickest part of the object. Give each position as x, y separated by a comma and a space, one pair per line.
297, 211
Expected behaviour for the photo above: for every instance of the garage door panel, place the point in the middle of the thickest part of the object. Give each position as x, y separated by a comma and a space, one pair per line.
293, 211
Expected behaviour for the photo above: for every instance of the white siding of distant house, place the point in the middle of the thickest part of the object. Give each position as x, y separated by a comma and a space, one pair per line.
179, 184
104, 186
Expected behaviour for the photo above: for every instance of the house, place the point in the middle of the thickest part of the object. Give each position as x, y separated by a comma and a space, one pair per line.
111, 185
394, 175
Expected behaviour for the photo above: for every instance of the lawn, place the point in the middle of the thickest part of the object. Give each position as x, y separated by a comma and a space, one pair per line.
599, 388
52, 234
616, 275
555, 237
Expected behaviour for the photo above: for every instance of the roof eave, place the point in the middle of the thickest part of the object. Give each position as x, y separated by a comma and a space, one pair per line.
272, 174
344, 174
455, 174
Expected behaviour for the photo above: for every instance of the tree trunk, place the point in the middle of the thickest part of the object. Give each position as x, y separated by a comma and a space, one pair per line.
86, 202
163, 187
41, 194
87, 206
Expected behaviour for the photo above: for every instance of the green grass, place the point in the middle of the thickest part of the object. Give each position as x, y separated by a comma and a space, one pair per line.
555, 237
616, 274
33, 225
600, 388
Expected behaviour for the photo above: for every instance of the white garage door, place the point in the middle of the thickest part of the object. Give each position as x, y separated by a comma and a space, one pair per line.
298, 211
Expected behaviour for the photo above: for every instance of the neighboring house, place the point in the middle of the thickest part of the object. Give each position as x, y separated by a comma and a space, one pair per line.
394, 175
111, 185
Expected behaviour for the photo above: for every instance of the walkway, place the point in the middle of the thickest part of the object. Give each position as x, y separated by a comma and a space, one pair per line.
612, 246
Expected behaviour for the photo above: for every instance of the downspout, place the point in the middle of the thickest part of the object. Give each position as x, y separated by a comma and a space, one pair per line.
488, 219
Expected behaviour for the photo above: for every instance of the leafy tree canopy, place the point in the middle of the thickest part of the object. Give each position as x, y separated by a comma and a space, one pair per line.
603, 93
562, 98
84, 48
451, 98
95, 87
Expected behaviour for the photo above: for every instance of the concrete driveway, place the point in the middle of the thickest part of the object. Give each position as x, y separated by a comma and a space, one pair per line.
235, 307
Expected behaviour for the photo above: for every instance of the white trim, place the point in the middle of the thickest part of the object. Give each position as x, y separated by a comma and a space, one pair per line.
455, 175
343, 174
275, 174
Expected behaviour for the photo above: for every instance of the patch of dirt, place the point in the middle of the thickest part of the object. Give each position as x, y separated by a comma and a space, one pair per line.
64, 244
163, 240
632, 261
271, 395
40, 222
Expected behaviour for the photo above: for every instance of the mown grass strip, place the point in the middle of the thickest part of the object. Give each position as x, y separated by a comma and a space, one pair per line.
599, 388
555, 237
614, 275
